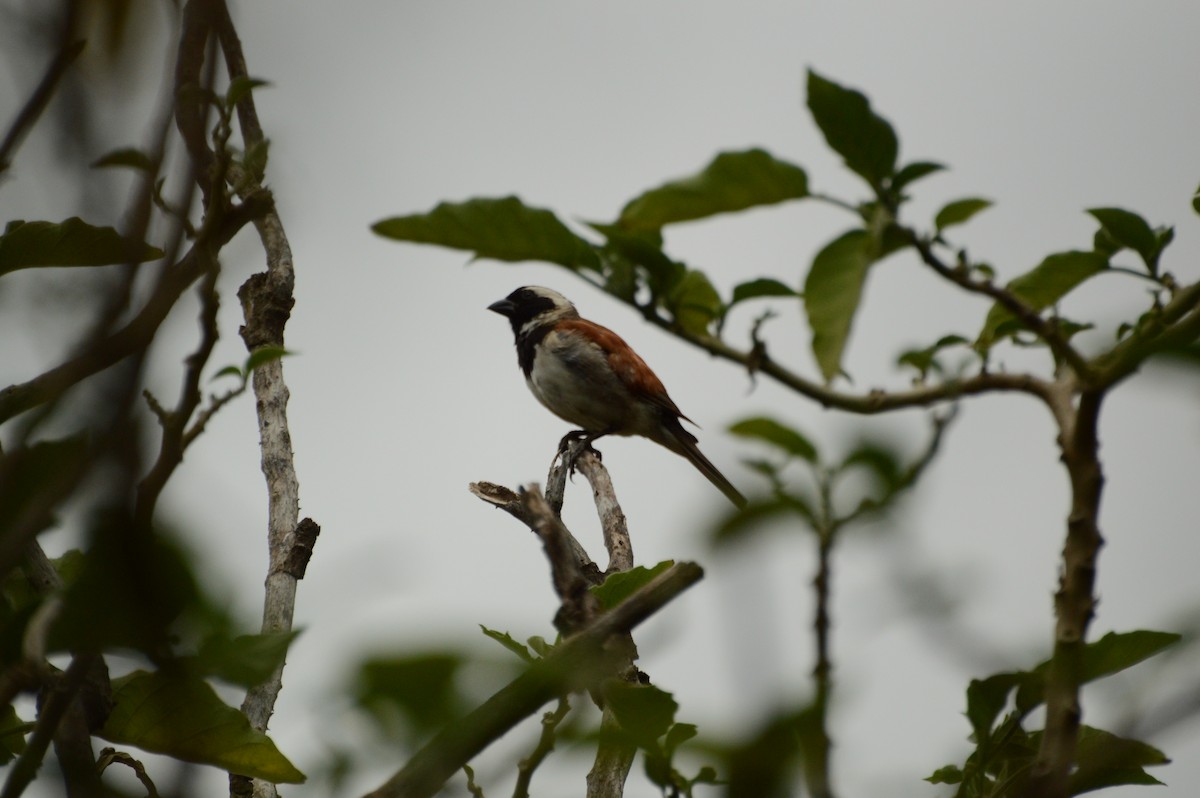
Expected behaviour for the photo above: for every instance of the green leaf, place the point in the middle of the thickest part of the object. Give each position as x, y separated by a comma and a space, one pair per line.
1105, 760
658, 770
422, 687
763, 286
1117, 651
246, 660
1186, 356
765, 762
1130, 231
239, 87
738, 526
913, 172
879, 460
74, 242
128, 157
986, 699
540, 646
228, 371
694, 303
31, 474
621, 585
779, 435
509, 642
679, 734
832, 293
732, 181
264, 355
1051, 280
644, 712
1114, 652
1196, 201
959, 211
642, 248
183, 718
925, 360
255, 158
950, 774
124, 601
863, 138
501, 229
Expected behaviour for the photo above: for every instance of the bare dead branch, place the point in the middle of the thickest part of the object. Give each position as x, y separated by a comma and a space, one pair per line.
503, 498
267, 301
110, 756
612, 518
572, 580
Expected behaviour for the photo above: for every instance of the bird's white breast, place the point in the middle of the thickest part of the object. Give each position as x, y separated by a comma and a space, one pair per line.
572, 378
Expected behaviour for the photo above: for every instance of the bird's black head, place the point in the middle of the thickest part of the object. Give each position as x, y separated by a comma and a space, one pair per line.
533, 306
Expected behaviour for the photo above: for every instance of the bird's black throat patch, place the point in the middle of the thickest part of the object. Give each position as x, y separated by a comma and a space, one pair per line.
527, 345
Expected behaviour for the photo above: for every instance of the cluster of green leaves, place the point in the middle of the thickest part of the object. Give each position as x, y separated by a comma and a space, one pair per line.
814, 501
630, 263
411, 696
144, 601
646, 714
646, 718
1005, 750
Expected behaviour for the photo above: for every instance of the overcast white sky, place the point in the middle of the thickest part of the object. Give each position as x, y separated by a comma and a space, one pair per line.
405, 389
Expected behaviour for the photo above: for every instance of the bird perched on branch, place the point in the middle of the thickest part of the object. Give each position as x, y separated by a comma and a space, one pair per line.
587, 375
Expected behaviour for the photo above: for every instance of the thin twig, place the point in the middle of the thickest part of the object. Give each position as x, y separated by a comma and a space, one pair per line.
174, 423
1048, 331
474, 789
545, 744
817, 771
513, 503
758, 360
1176, 325
109, 756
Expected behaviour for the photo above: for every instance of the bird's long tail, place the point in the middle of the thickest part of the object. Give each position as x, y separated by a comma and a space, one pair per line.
683, 443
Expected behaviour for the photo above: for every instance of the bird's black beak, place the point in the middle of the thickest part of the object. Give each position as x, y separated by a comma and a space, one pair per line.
504, 307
